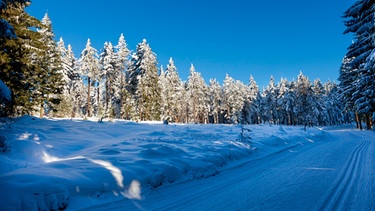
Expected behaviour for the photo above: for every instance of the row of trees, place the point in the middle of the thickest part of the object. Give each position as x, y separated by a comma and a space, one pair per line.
45, 76
118, 84
357, 73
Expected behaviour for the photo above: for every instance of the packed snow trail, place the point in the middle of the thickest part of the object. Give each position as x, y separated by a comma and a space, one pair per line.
333, 173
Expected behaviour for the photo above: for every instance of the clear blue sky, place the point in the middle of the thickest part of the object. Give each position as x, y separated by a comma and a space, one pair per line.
238, 37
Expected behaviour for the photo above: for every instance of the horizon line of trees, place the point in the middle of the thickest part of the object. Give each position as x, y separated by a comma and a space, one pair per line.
46, 78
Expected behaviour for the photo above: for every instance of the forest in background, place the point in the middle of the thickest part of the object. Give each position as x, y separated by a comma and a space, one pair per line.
46, 79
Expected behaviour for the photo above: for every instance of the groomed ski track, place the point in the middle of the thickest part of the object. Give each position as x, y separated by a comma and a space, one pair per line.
336, 172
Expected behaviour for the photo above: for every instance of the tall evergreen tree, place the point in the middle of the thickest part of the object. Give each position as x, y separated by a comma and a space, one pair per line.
270, 102
6, 29
143, 85
253, 91
108, 61
196, 91
233, 99
89, 68
48, 78
171, 91
360, 20
215, 99
304, 93
73, 92
17, 69
122, 97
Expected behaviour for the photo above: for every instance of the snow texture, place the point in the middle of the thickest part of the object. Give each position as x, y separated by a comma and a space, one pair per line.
75, 164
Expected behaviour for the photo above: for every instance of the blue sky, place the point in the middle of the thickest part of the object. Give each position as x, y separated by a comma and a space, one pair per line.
238, 37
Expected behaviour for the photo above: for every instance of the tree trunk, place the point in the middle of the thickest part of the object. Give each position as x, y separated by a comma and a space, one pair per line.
368, 122
41, 110
88, 97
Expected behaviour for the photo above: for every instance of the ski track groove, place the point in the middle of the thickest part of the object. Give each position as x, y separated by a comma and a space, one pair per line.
336, 198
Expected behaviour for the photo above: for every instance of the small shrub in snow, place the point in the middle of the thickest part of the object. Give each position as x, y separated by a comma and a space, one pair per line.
245, 135
4, 146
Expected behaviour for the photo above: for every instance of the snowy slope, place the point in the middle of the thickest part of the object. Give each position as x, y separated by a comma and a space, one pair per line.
74, 164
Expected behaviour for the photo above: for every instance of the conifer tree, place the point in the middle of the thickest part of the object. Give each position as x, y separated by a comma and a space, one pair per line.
270, 102
48, 76
253, 91
171, 91
73, 92
359, 68
215, 99
196, 91
109, 71
17, 70
282, 101
122, 97
89, 68
304, 98
7, 31
233, 99
142, 83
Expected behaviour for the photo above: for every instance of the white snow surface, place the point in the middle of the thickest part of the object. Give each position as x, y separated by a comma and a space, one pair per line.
77, 164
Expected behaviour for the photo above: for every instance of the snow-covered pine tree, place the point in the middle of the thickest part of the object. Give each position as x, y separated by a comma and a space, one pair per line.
163, 94
281, 102
233, 99
304, 93
269, 102
253, 91
360, 20
65, 108
16, 66
89, 68
183, 115
172, 91
196, 91
215, 99
48, 78
6, 29
121, 96
318, 103
108, 62
256, 109
346, 89
333, 104
143, 85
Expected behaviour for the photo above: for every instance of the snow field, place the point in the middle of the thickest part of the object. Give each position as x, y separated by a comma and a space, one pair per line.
62, 163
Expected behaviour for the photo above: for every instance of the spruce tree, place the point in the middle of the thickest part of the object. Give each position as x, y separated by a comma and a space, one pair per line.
196, 91
171, 91
122, 97
48, 76
215, 100
270, 102
89, 68
360, 20
18, 71
109, 72
142, 83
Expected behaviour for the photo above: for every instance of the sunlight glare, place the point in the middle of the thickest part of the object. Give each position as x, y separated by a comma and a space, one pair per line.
134, 191
116, 172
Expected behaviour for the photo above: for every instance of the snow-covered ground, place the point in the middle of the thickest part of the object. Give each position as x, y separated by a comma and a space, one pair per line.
86, 165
